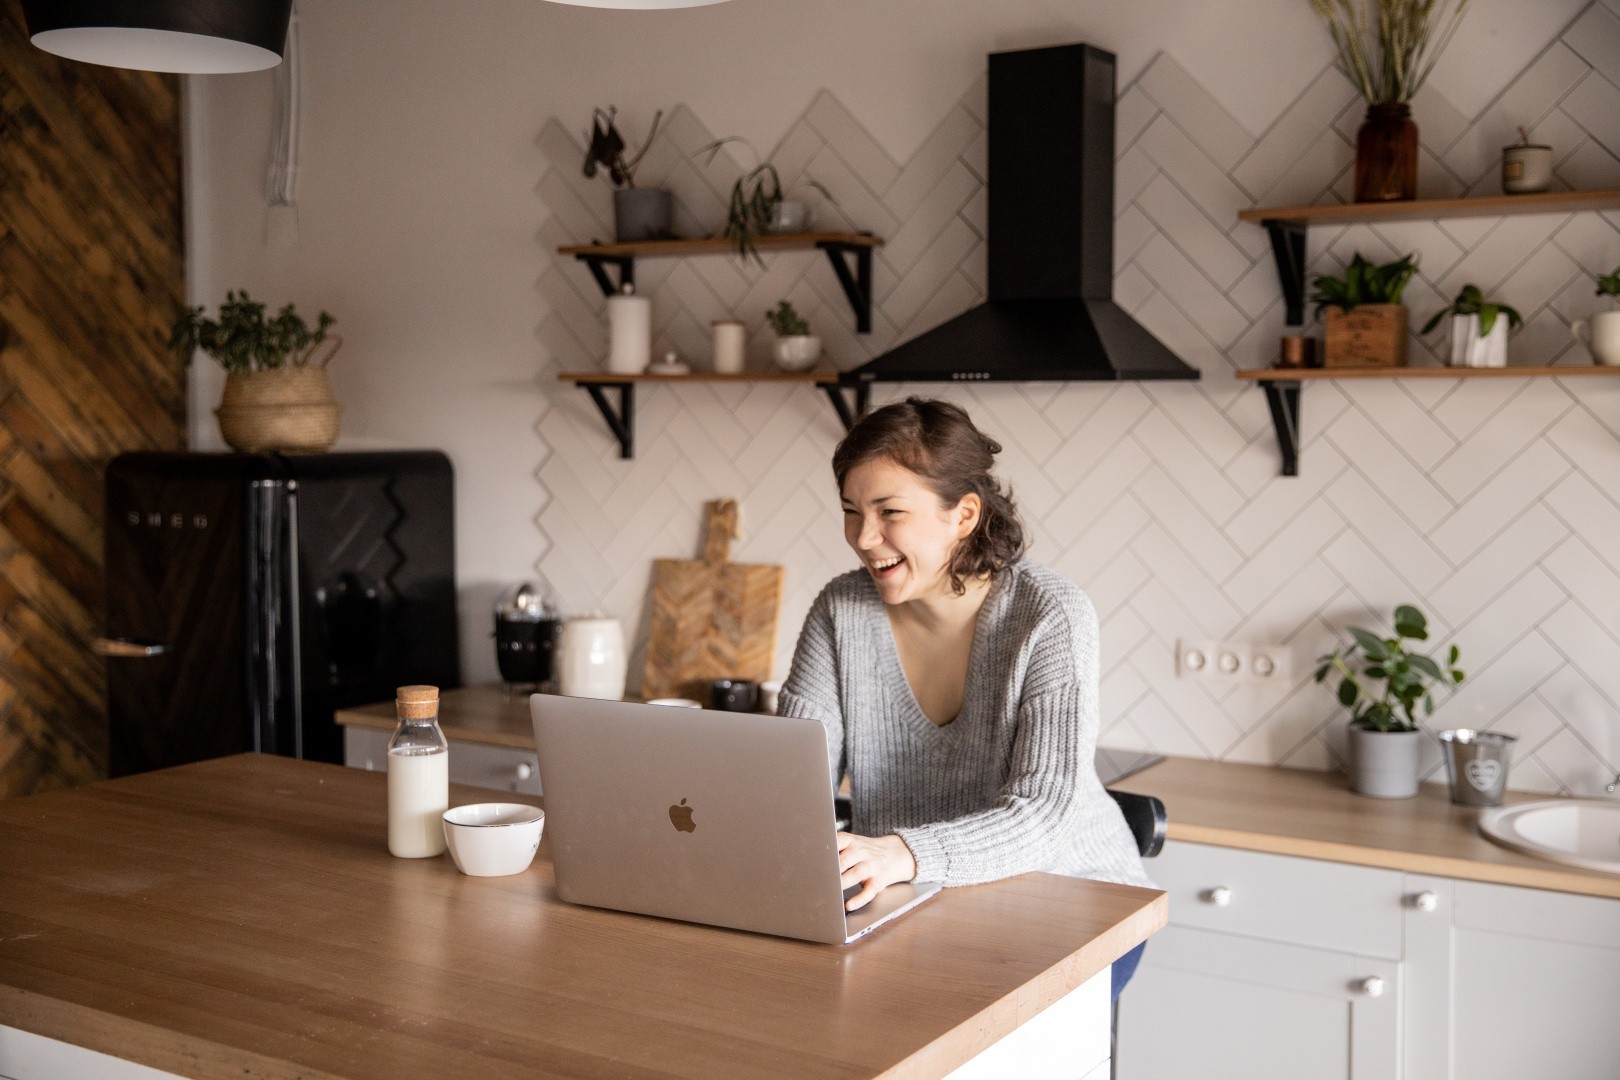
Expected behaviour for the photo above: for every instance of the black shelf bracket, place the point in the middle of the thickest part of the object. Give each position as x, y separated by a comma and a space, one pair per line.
626, 265
1282, 397
857, 283
621, 421
852, 408
1288, 249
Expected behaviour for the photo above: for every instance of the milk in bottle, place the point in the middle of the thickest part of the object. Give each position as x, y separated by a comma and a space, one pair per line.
418, 776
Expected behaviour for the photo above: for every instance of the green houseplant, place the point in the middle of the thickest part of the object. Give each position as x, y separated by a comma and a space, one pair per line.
638, 213
1387, 686
1364, 322
1479, 329
757, 205
277, 395
796, 348
1387, 48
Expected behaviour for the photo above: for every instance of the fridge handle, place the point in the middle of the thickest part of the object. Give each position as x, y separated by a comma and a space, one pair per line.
125, 648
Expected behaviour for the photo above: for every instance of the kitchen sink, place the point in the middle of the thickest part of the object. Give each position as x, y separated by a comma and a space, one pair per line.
1578, 832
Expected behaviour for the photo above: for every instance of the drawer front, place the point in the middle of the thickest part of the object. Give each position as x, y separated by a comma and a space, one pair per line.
1353, 909
500, 767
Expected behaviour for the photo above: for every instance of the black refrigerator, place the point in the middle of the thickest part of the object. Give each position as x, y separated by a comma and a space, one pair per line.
249, 596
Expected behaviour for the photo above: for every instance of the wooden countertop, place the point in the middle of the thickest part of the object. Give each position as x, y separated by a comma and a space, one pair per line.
1315, 815
243, 917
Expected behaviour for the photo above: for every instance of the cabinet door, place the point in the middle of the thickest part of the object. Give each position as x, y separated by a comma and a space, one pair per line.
503, 768
1215, 1006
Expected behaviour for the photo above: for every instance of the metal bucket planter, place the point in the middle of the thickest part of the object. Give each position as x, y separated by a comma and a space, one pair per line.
1384, 764
287, 410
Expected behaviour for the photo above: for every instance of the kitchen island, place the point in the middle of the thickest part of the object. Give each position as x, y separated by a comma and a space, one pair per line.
242, 917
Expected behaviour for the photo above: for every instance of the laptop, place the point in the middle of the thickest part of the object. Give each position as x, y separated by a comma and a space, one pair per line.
709, 817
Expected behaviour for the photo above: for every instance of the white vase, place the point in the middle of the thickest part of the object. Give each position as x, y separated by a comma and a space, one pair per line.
1384, 764
1601, 334
798, 352
590, 658
1468, 349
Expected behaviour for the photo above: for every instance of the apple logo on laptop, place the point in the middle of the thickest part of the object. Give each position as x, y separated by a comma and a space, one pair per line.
681, 817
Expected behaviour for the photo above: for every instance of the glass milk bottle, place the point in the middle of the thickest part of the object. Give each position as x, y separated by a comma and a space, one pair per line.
418, 776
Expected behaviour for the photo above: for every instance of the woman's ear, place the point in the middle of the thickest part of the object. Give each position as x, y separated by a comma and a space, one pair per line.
968, 512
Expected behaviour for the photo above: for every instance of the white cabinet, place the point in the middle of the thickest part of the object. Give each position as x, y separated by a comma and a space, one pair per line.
503, 768
1271, 968
1275, 966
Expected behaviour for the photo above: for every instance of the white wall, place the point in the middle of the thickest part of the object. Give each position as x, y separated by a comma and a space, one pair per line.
429, 209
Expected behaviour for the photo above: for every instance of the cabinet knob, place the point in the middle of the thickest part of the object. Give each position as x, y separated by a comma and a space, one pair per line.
1371, 986
1220, 896
524, 770
1425, 901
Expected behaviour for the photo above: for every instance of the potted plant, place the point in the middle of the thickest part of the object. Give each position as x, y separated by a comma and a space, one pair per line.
1479, 329
638, 213
1601, 333
1385, 739
277, 396
757, 206
1364, 321
796, 348
1387, 48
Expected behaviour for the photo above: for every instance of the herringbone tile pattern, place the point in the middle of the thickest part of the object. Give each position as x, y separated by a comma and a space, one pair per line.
1493, 506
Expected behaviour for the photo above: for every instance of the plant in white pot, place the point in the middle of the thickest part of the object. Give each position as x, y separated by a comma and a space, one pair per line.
1385, 740
638, 213
796, 348
1601, 333
1479, 329
277, 396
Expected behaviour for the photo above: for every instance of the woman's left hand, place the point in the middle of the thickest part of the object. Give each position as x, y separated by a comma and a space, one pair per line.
874, 863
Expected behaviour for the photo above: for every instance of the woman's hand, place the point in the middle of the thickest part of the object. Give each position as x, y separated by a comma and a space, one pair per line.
874, 863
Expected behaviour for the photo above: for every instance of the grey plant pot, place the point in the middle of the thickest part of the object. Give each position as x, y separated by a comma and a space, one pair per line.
641, 214
1384, 764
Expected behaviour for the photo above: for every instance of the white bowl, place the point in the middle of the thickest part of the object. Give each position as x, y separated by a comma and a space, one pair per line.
676, 702
493, 839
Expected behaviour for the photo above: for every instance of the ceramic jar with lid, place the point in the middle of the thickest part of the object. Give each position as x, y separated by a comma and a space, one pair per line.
591, 659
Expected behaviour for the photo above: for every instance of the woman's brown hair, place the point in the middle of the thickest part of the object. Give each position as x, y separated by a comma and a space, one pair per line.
937, 441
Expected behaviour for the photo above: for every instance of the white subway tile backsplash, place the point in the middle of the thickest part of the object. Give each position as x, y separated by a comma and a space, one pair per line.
1490, 504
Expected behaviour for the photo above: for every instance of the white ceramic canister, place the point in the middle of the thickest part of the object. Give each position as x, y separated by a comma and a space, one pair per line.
591, 661
629, 333
730, 341
1601, 334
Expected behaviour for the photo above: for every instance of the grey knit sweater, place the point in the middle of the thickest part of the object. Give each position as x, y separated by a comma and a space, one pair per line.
1008, 786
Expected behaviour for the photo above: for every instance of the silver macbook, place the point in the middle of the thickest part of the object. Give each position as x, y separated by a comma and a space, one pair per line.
709, 817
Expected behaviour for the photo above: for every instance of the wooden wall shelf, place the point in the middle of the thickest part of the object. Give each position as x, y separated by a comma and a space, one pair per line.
1286, 226
1282, 386
841, 248
622, 420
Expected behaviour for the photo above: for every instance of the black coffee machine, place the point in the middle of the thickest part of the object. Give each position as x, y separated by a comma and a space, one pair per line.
526, 624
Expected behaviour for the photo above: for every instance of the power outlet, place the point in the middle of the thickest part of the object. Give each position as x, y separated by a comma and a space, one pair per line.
1232, 661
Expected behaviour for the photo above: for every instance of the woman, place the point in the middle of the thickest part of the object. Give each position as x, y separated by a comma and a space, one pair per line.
957, 680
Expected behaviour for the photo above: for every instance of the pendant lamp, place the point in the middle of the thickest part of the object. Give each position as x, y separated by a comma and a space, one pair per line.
193, 37
639, 5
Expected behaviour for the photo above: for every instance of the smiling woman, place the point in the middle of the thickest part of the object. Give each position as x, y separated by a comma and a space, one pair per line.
957, 680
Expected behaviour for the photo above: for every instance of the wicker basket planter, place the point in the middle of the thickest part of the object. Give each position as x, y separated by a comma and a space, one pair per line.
286, 410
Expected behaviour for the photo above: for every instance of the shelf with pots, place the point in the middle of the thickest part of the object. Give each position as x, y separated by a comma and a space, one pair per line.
849, 252
1287, 227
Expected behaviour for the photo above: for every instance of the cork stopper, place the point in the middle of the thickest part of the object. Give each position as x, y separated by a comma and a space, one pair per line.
417, 702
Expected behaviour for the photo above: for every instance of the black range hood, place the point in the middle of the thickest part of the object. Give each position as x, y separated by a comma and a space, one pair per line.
1050, 314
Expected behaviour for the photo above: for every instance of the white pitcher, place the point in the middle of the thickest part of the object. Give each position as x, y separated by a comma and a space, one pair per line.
590, 658
1600, 334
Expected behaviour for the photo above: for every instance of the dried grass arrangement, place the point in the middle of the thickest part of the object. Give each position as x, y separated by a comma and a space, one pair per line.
1387, 48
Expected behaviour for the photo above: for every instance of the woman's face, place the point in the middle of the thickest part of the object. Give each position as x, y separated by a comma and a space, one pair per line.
904, 537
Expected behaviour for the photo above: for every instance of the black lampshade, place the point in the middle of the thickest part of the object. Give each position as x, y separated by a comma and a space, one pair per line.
196, 37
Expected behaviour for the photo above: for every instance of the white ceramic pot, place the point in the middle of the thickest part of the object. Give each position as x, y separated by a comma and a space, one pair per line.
798, 352
1384, 764
590, 658
1468, 349
1601, 334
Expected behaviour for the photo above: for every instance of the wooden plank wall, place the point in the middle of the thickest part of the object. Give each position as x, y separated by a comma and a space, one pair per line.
91, 277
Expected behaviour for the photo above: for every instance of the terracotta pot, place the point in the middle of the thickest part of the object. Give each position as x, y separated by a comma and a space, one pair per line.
1368, 335
287, 410
1386, 155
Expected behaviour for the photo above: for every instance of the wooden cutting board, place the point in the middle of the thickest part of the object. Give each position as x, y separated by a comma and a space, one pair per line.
711, 618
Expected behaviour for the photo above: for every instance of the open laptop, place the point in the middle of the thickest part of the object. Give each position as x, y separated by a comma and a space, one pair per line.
709, 817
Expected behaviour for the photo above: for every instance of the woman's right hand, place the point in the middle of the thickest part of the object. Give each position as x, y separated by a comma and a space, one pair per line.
873, 863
